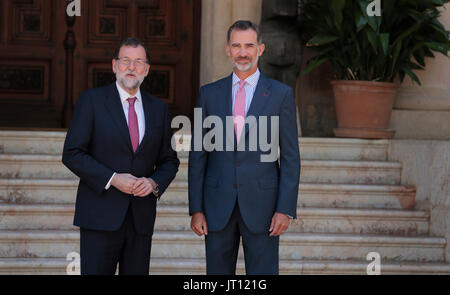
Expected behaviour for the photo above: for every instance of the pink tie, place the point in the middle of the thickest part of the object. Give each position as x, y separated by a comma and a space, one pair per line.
239, 110
133, 124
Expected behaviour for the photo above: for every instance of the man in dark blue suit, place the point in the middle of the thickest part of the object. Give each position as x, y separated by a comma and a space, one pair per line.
235, 193
119, 145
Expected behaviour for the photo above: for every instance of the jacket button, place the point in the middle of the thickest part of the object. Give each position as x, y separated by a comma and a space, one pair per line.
238, 163
235, 185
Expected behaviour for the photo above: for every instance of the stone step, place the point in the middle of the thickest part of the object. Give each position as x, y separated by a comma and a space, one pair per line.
297, 267
189, 266
169, 244
315, 246
326, 220
32, 217
38, 191
312, 171
362, 221
32, 142
321, 148
33, 166
356, 196
29, 191
343, 149
51, 142
326, 171
322, 195
176, 218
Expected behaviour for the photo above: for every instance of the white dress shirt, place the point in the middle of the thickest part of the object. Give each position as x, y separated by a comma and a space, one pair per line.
138, 107
249, 88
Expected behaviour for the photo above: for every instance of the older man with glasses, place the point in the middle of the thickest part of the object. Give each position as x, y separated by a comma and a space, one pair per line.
118, 144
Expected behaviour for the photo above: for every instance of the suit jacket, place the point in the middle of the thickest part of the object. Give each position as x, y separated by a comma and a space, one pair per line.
217, 179
98, 144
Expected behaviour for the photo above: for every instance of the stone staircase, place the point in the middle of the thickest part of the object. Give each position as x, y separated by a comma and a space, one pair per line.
351, 202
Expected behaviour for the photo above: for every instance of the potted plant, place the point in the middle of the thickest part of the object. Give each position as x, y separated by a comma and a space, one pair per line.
371, 55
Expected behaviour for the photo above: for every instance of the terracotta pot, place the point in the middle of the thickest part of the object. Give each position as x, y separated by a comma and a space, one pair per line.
363, 108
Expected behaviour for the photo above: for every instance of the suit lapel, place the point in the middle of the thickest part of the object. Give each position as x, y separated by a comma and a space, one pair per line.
114, 106
227, 99
146, 102
227, 105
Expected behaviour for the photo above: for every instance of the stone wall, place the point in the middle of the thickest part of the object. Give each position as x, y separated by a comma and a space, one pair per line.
423, 112
217, 17
426, 166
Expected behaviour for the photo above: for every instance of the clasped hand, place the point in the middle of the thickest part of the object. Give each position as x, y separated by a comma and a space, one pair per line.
129, 184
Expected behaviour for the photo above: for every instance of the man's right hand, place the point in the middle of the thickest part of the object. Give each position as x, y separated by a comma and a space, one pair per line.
124, 182
198, 224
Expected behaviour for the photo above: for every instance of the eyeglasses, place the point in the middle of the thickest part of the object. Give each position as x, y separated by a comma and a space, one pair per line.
127, 62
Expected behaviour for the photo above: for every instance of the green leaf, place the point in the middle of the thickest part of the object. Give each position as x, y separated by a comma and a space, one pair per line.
441, 47
436, 2
415, 66
443, 32
370, 19
378, 48
420, 56
321, 40
428, 52
412, 75
371, 35
438, 26
397, 49
314, 65
408, 32
338, 6
384, 39
361, 21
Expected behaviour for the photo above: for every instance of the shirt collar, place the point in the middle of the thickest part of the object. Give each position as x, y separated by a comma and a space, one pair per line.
125, 95
252, 79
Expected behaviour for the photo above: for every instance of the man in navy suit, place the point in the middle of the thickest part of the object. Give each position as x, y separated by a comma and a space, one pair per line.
118, 144
234, 193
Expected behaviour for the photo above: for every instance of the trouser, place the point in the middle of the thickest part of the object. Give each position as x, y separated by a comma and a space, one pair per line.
100, 251
260, 250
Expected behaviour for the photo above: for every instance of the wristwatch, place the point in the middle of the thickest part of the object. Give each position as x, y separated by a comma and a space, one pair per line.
156, 191
155, 187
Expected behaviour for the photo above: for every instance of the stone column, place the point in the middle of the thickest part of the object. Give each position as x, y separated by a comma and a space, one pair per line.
217, 17
423, 112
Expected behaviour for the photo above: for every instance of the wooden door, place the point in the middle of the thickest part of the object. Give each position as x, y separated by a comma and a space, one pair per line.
31, 63
48, 59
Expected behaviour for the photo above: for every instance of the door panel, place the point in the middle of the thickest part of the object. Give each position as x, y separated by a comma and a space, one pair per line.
168, 30
35, 65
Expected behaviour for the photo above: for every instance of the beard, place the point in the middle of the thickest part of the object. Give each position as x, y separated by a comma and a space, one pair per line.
132, 83
248, 65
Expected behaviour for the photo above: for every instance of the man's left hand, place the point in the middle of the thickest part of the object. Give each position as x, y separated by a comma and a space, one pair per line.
280, 223
142, 188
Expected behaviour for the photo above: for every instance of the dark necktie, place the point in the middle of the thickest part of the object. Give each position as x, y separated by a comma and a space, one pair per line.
133, 124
